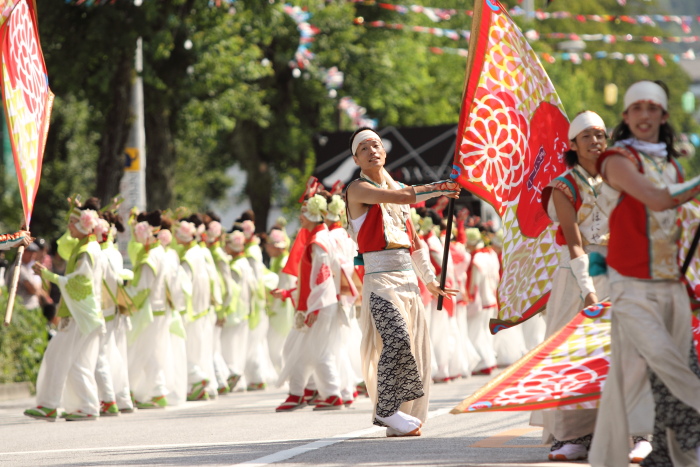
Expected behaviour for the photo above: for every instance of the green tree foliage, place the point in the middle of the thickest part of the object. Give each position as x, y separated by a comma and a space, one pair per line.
22, 344
220, 90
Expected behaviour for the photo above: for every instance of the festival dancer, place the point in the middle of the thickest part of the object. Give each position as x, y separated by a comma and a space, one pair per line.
177, 287
235, 348
111, 373
482, 284
67, 374
259, 367
395, 342
312, 346
651, 337
344, 277
281, 310
228, 295
150, 331
581, 203
200, 355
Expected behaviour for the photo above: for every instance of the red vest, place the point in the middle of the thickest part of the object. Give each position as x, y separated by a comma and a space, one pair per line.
305, 268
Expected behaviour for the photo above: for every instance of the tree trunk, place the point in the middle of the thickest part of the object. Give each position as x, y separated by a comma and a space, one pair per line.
244, 142
110, 164
160, 157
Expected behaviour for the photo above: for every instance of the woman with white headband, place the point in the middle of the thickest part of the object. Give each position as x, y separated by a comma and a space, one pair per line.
395, 340
580, 202
652, 339
67, 374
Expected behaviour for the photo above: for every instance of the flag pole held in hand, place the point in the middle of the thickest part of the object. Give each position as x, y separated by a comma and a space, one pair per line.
13, 286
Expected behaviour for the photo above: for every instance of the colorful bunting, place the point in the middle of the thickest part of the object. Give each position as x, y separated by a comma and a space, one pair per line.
512, 130
26, 96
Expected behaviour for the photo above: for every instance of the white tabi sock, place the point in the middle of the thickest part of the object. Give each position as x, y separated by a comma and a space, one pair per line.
400, 422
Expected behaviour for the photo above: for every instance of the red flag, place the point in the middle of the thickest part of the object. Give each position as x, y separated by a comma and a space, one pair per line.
510, 141
26, 95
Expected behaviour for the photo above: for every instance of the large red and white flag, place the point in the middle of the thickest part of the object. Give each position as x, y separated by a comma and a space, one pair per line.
510, 141
26, 95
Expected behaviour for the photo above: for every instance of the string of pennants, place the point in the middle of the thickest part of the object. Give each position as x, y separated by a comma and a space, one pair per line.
531, 35
578, 58
444, 14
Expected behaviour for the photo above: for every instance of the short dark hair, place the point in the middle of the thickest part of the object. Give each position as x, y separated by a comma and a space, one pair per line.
153, 218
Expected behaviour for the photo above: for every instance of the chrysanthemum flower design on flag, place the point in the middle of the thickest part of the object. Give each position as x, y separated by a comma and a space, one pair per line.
511, 137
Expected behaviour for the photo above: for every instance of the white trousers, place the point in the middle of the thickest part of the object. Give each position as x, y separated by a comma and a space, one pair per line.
111, 373
314, 351
67, 374
147, 360
651, 326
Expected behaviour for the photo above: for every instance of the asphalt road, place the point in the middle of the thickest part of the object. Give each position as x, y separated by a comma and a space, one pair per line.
243, 428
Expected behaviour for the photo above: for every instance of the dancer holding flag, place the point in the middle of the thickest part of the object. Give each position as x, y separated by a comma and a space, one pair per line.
395, 345
581, 204
652, 339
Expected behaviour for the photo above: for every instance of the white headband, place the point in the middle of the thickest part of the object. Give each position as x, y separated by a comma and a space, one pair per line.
646, 91
583, 121
364, 135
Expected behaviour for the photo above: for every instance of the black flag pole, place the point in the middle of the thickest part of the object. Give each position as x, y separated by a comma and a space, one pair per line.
691, 251
446, 251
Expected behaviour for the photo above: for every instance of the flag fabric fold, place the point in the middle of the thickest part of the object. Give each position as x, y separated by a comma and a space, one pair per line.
510, 143
26, 95
568, 370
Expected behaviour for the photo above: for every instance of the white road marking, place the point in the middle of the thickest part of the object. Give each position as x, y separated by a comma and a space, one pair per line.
322, 443
262, 461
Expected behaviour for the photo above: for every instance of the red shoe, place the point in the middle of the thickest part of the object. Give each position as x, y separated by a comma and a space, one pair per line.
484, 371
348, 402
362, 389
291, 404
332, 403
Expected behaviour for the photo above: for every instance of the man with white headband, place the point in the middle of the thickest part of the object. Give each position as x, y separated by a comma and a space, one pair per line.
580, 203
652, 338
395, 340
67, 374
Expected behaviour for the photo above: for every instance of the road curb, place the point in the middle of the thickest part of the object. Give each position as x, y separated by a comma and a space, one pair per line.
10, 391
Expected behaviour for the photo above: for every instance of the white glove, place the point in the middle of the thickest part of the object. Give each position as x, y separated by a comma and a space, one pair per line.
421, 263
579, 267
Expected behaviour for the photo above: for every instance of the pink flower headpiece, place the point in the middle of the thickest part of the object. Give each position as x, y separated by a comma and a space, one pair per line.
278, 239
214, 231
186, 231
236, 241
87, 220
143, 232
248, 229
165, 237
102, 230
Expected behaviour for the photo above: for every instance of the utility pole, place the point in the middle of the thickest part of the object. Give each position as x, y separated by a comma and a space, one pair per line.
133, 182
